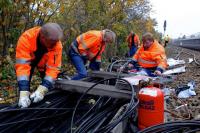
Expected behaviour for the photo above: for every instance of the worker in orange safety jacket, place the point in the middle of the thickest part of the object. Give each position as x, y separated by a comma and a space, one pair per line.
89, 46
133, 43
41, 48
150, 56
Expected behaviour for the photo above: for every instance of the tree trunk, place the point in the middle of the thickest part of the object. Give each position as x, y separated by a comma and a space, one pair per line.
5, 44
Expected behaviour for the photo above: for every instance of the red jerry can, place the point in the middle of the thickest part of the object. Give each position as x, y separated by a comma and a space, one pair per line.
151, 107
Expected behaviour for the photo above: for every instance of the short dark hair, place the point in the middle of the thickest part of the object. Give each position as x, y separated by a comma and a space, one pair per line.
147, 36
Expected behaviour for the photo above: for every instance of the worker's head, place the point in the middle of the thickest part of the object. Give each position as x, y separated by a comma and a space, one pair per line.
109, 36
147, 40
132, 33
50, 34
130, 38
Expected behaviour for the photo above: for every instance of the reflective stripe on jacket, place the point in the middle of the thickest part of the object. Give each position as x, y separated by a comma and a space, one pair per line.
136, 39
90, 44
153, 57
50, 62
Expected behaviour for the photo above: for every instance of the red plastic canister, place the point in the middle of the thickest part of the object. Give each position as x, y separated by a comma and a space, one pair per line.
151, 107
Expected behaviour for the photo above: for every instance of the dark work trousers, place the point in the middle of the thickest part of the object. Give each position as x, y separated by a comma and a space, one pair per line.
132, 50
79, 63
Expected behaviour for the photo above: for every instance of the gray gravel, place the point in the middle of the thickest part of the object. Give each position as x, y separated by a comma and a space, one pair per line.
192, 73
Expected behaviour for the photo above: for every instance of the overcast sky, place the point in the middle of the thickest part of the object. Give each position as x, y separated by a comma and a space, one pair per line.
182, 16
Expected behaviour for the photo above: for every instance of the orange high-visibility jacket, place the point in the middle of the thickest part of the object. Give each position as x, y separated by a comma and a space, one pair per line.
153, 57
90, 44
136, 39
26, 46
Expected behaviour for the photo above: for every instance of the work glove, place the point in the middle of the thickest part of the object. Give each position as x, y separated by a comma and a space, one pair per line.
134, 65
158, 73
24, 100
38, 95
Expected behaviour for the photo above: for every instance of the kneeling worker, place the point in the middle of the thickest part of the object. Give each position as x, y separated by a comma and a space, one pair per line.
150, 56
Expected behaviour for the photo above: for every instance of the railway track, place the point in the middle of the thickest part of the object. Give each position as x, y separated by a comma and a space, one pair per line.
193, 43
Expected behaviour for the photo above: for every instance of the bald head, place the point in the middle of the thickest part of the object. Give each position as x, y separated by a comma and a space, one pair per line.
50, 34
52, 31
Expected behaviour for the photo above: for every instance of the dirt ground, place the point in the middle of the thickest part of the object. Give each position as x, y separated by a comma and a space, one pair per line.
192, 108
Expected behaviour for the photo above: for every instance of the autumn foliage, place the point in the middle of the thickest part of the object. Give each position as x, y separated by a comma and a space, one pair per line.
75, 17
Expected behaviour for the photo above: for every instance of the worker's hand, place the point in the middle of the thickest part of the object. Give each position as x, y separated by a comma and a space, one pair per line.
130, 65
121, 68
38, 95
158, 73
24, 100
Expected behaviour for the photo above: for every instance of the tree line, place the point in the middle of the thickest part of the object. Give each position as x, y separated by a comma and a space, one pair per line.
76, 17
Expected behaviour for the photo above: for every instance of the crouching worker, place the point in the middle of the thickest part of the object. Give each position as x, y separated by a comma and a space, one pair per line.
150, 56
89, 46
41, 48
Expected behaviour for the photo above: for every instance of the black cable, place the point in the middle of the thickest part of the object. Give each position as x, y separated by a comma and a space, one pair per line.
118, 120
131, 106
41, 118
193, 130
171, 129
33, 109
122, 117
98, 116
73, 114
100, 123
112, 64
36, 113
93, 121
188, 123
88, 111
93, 118
55, 111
